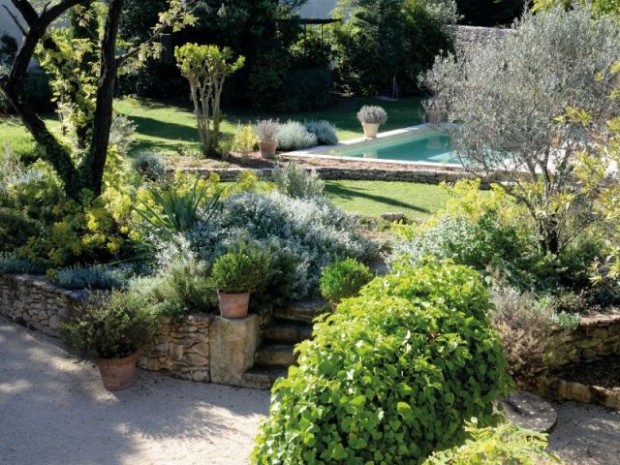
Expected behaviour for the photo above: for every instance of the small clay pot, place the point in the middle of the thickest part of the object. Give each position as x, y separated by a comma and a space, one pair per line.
234, 305
118, 373
370, 130
268, 148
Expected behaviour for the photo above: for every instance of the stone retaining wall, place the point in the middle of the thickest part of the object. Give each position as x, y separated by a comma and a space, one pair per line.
597, 336
35, 303
424, 176
180, 347
200, 347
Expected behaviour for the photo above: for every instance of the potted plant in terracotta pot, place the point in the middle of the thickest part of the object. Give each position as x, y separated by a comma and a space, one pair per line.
266, 131
371, 118
236, 275
110, 329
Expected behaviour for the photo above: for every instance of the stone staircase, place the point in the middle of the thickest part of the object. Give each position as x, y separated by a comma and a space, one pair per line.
288, 327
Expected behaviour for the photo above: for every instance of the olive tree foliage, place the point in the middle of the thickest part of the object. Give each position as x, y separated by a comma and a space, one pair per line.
531, 107
206, 67
599, 6
88, 59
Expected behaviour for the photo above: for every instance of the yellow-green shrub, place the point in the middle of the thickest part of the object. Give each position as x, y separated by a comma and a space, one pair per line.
391, 376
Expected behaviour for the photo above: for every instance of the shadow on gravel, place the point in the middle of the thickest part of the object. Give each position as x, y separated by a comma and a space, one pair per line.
586, 434
54, 411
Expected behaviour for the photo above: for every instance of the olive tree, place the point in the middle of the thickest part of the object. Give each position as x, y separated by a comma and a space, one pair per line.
206, 67
80, 166
530, 107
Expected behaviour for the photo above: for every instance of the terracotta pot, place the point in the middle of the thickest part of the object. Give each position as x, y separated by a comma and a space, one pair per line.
118, 373
234, 305
268, 148
370, 130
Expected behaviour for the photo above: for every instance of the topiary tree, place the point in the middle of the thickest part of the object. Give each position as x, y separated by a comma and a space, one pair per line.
391, 376
529, 107
206, 67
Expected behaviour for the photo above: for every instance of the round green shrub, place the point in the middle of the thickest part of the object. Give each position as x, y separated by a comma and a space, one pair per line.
344, 279
391, 376
109, 326
243, 270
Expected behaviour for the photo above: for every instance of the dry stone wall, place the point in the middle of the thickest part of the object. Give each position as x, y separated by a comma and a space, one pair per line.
34, 302
180, 347
597, 336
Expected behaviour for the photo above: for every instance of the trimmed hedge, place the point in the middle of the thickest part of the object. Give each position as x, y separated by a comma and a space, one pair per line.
391, 376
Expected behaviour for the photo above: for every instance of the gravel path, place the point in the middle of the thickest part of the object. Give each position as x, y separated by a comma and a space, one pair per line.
54, 411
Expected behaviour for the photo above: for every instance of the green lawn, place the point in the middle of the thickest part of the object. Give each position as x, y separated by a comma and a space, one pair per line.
372, 198
165, 127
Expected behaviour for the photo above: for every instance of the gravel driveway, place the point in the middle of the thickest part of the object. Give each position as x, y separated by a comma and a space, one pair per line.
54, 411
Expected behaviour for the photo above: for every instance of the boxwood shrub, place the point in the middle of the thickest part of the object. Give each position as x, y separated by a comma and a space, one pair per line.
391, 376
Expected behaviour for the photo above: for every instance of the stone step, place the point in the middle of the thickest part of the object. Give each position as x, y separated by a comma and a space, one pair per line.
304, 312
286, 331
262, 376
271, 354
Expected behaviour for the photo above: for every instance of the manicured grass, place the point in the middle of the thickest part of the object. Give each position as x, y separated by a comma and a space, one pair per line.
372, 198
166, 127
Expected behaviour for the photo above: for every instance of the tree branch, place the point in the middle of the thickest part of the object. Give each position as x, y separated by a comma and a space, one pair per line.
27, 11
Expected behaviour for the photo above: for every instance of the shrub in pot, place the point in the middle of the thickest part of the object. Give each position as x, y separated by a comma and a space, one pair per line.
344, 279
371, 118
110, 328
236, 275
266, 131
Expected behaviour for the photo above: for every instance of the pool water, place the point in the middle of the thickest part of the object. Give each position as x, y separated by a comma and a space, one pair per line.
430, 147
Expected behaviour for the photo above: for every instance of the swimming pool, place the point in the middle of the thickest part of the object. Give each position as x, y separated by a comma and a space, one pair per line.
418, 144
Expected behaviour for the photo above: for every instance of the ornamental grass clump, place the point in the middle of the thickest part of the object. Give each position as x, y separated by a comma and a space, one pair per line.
391, 376
266, 129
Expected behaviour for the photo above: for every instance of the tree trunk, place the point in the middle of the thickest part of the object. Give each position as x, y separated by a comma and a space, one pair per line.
93, 165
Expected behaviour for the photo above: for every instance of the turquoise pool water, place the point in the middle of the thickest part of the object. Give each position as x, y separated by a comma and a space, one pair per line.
428, 147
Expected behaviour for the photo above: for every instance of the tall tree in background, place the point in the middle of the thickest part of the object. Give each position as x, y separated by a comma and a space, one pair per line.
79, 166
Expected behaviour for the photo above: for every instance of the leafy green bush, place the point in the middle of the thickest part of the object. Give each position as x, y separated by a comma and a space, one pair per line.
109, 326
485, 244
391, 376
242, 270
325, 132
293, 180
344, 279
15, 229
500, 445
292, 135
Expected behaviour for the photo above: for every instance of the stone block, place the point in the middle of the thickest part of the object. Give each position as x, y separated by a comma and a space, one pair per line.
232, 344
